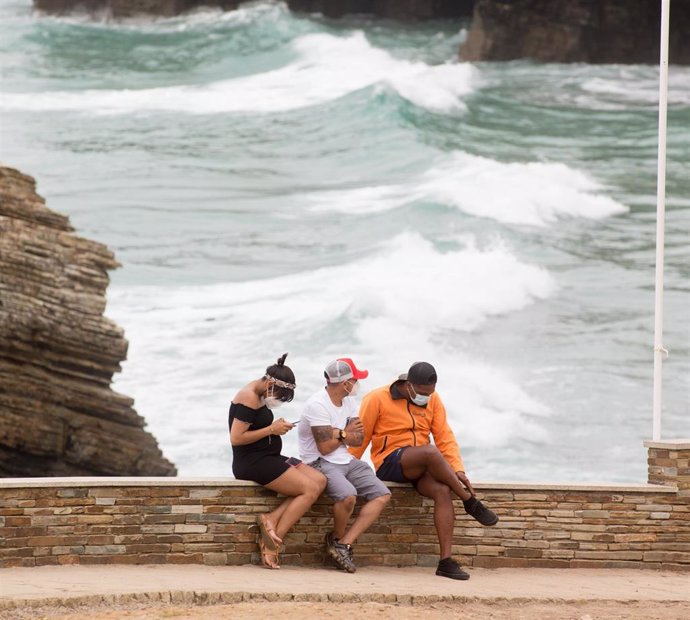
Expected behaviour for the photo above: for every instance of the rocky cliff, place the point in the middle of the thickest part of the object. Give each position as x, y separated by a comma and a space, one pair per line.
393, 9
592, 31
58, 353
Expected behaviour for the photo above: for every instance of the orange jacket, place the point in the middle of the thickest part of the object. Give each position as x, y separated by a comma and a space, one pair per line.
391, 421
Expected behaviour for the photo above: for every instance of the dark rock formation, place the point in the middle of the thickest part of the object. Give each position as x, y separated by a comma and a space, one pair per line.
58, 353
393, 9
592, 31
130, 8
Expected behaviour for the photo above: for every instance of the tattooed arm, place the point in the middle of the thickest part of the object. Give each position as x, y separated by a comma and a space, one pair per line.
326, 438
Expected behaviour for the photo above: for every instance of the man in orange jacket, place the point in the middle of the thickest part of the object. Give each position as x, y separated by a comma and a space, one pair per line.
398, 420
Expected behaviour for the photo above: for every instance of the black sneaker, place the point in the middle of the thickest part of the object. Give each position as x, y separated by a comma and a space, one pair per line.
448, 567
342, 555
480, 512
330, 540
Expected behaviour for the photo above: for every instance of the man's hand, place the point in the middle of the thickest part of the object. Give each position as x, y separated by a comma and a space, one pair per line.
465, 480
354, 426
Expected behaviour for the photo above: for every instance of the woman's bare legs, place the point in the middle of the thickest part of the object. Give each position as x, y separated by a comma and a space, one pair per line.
303, 485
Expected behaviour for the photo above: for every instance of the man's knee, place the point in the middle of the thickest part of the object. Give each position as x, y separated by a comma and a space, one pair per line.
424, 453
348, 502
382, 499
322, 483
442, 493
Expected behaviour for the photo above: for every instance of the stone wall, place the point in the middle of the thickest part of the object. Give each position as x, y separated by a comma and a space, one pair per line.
58, 352
164, 520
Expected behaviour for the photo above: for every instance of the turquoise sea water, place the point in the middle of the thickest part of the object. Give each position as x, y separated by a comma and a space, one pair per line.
273, 182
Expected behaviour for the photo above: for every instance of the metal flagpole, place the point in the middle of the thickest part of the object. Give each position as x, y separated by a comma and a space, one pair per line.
659, 351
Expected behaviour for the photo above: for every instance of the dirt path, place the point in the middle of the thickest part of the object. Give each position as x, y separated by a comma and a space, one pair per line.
503, 610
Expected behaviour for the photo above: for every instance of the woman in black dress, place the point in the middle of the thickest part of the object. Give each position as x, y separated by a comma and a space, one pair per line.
256, 444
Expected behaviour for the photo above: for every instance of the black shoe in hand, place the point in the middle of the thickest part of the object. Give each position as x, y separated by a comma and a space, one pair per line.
448, 567
479, 511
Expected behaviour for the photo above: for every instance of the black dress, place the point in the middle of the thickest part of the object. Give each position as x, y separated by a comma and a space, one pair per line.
261, 460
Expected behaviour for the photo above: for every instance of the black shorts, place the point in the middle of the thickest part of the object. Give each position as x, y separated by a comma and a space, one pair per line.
391, 468
263, 470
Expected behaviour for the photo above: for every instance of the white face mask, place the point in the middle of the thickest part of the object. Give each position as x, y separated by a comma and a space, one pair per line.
418, 399
272, 402
354, 389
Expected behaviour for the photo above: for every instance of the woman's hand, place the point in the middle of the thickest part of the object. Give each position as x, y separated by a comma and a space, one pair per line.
281, 426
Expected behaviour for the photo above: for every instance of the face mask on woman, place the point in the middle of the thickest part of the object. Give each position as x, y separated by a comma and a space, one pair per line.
272, 402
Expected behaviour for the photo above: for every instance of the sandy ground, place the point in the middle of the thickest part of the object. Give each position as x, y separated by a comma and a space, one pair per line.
374, 611
293, 593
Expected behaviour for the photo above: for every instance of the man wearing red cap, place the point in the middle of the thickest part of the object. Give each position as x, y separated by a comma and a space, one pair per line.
398, 420
329, 424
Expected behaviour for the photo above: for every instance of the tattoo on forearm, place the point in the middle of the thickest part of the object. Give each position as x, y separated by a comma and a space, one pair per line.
355, 439
322, 433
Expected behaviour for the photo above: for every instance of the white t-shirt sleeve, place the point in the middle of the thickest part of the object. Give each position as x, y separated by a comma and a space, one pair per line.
315, 414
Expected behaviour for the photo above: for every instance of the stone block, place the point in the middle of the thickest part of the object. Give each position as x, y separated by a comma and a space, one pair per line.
680, 557
104, 549
185, 528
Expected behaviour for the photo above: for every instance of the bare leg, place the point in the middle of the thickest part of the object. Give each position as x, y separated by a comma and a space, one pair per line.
342, 511
444, 514
275, 515
302, 485
369, 513
420, 460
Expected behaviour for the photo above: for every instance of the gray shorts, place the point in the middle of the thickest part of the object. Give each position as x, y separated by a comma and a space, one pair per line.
353, 478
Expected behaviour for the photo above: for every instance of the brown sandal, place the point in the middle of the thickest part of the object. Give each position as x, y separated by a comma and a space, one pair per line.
269, 557
268, 535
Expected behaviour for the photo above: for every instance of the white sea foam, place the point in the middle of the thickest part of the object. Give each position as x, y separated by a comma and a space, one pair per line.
213, 339
326, 67
534, 193
631, 86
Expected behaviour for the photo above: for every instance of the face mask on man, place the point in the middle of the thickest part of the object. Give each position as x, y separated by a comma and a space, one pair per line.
354, 389
418, 399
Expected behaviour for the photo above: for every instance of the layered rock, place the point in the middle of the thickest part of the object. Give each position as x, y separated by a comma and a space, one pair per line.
392, 9
131, 8
58, 353
591, 31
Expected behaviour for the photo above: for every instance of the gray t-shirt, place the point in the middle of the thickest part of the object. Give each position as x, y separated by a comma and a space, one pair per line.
319, 410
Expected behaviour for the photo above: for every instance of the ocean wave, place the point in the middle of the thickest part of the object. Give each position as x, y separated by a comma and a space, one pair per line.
532, 193
327, 67
213, 339
635, 86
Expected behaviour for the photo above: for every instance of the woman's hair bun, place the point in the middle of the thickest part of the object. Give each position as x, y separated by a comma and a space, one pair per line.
281, 359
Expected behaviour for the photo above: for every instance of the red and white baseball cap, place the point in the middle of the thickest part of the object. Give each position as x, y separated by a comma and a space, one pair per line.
343, 369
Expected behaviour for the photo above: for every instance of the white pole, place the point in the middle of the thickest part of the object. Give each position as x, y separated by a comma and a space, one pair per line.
659, 351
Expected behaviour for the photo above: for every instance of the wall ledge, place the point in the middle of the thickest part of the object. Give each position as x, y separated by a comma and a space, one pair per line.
669, 444
115, 481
